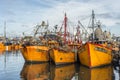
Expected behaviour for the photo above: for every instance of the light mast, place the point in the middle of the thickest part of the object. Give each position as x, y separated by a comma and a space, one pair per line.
65, 28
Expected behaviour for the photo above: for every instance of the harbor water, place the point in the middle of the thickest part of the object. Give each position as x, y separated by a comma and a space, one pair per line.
13, 67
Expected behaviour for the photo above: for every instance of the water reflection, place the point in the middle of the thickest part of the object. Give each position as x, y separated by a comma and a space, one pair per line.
116, 71
62, 72
12, 67
1, 51
103, 73
35, 71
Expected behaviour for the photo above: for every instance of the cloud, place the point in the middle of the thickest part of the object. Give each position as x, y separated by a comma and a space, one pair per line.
117, 23
105, 15
11, 21
32, 12
37, 3
7, 13
109, 15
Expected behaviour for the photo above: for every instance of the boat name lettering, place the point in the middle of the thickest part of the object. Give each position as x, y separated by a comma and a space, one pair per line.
40, 50
101, 49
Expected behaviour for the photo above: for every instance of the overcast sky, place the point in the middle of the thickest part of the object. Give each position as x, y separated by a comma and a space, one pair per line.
23, 15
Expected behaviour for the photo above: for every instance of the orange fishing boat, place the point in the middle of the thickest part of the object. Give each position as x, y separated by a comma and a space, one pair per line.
35, 71
8, 46
2, 47
60, 56
103, 73
33, 49
65, 72
35, 53
95, 53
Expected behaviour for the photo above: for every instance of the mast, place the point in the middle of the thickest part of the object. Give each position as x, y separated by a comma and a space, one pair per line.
93, 17
5, 30
65, 28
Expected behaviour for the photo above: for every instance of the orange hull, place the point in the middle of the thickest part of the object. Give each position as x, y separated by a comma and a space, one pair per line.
35, 71
62, 57
35, 53
2, 47
94, 55
5, 47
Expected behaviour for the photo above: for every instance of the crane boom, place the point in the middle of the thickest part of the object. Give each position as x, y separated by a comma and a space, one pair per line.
36, 31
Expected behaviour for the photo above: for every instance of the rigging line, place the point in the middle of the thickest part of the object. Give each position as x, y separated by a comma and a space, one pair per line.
71, 28
72, 24
95, 20
68, 25
27, 30
89, 22
82, 26
59, 23
61, 26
